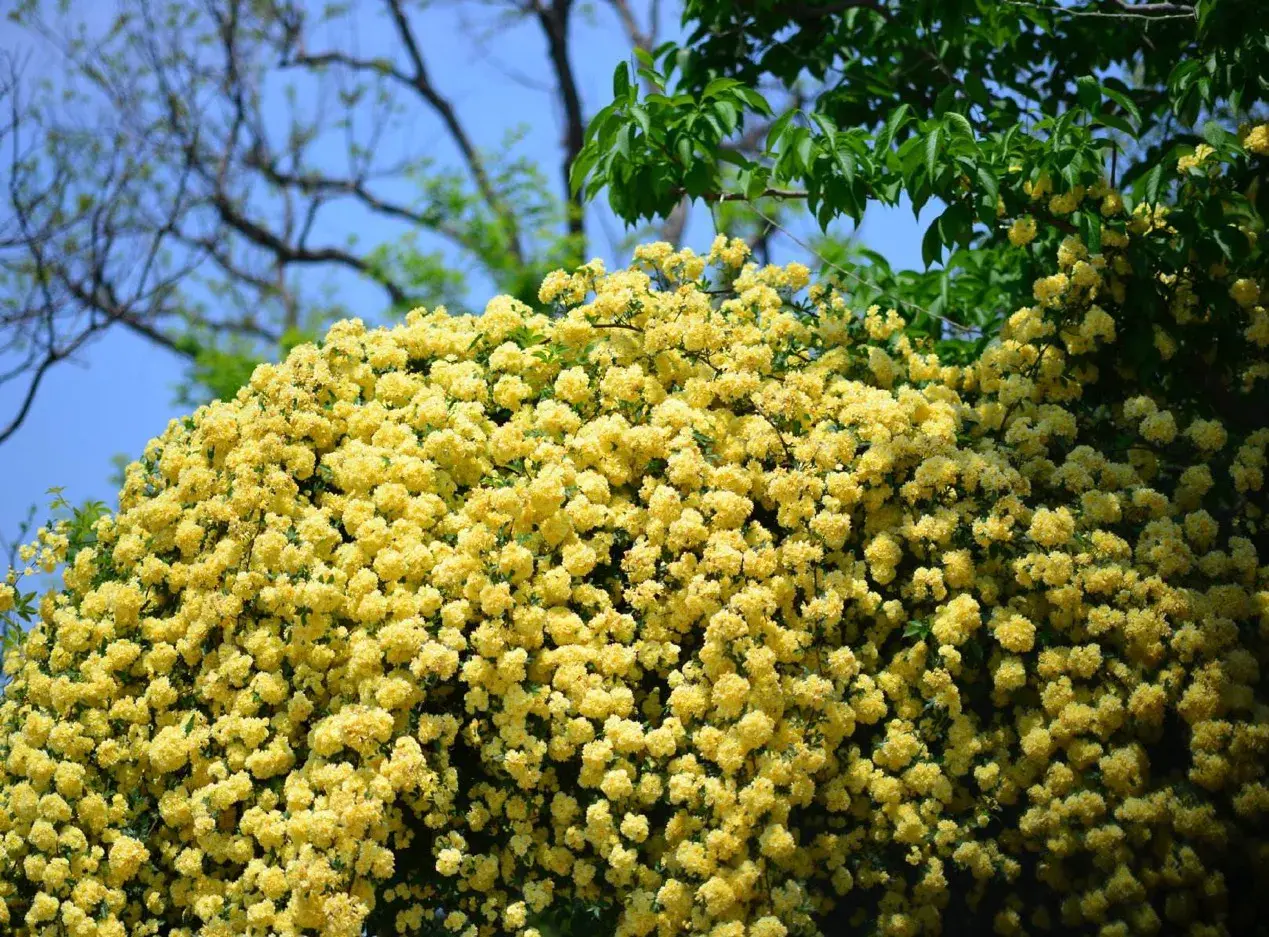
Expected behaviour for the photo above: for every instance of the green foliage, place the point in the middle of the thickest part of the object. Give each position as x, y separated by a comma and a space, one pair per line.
215, 372
968, 105
77, 523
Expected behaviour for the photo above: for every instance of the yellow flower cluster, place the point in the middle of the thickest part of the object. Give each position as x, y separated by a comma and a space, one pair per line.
700, 611
1256, 139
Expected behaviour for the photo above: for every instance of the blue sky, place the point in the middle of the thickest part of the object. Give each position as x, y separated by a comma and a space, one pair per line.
120, 392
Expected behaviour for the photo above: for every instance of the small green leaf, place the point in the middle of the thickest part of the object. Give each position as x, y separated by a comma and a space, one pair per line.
728, 115
957, 120
1153, 182
621, 80
932, 153
640, 115
778, 127
754, 100
1091, 230
1123, 101
757, 182
805, 150
1088, 92
894, 123
988, 183
917, 628
932, 245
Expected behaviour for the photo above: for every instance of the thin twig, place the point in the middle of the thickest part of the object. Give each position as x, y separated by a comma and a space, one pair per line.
1141, 11
824, 260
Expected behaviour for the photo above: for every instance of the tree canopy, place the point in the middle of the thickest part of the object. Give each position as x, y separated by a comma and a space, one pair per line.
976, 106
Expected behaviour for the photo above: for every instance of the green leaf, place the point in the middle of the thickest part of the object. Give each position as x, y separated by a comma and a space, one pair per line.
1115, 122
1088, 92
988, 183
1091, 230
976, 89
757, 182
894, 123
717, 86
1123, 101
931, 245
581, 167
1217, 136
683, 147
1153, 182
640, 116
845, 163
778, 127
728, 114
825, 123
621, 80
960, 122
806, 151
698, 179
932, 153
754, 100
917, 628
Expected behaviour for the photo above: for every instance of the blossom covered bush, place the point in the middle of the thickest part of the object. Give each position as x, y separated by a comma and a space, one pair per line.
700, 604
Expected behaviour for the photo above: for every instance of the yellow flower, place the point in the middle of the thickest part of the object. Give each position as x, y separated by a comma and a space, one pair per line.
1022, 232
1257, 140
692, 618
1245, 292
1196, 159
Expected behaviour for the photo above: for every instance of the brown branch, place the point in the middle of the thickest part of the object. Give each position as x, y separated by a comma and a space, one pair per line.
356, 188
334, 57
615, 325
420, 83
554, 21
675, 222
1061, 224
742, 197
28, 399
1156, 8
1128, 11
287, 253
637, 36
800, 12
423, 85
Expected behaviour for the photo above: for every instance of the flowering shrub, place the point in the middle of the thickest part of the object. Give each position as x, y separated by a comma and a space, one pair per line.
700, 605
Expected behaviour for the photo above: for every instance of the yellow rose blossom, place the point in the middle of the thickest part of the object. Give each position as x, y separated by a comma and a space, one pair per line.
715, 618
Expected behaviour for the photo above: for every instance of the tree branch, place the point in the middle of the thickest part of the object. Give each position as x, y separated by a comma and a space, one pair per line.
449, 117
637, 36
741, 197
554, 21
1128, 11
675, 222
801, 12
356, 188
288, 253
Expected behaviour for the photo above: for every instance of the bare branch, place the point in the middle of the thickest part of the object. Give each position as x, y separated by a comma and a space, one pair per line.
356, 188
1127, 11
637, 36
675, 222
420, 83
808, 11
554, 21
449, 117
287, 253
741, 197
